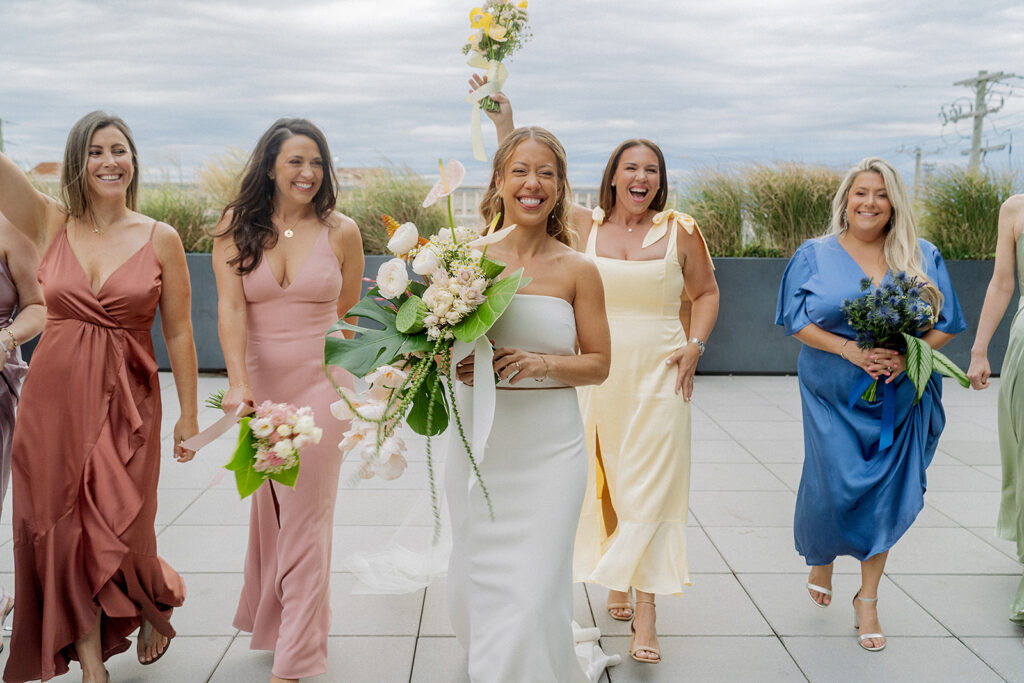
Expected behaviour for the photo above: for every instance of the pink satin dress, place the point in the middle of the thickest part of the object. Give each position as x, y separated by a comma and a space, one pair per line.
11, 376
86, 461
285, 602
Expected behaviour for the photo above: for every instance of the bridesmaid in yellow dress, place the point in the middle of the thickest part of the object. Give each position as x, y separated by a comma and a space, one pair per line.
632, 530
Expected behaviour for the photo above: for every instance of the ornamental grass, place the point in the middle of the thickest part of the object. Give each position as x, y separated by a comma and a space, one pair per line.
184, 208
400, 192
790, 202
959, 211
715, 199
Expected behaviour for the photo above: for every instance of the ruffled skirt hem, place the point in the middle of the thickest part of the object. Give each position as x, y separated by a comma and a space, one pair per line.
647, 556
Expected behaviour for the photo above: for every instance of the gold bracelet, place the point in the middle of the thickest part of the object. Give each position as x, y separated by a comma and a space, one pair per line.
13, 338
546, 369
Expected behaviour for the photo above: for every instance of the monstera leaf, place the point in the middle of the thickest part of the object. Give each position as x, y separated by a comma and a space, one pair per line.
499, 296
370, 348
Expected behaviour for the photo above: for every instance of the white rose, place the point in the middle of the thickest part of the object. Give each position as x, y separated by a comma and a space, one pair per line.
284, 447
304, 424
301, 441
284, 430
426, 262
405, 238
392, 278
261, 427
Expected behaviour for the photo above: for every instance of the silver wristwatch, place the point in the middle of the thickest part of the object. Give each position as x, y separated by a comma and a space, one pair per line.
699, 343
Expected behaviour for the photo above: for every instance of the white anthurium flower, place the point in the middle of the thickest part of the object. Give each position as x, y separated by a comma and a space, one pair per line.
451, 177
392, 278
426, 262
405, 238
387, 376
494, 236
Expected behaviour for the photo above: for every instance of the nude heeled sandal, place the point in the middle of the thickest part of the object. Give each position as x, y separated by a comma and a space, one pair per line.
856, 625
634, 648
628, 604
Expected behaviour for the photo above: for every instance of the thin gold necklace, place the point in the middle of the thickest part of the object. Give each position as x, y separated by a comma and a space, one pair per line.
290, 232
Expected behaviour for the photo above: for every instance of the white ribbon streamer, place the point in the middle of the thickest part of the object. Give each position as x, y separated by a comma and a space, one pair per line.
484, 395
497, 74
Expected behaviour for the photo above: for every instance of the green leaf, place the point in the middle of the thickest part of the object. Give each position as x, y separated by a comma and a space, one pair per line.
946, 367
417, 287
499, 296
410, 315
919, 363
871, 393
246, 478
370, 348
417, 417
492, 269
287, 477
215, 399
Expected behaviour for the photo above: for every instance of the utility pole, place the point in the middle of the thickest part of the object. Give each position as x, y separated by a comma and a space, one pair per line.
981, 108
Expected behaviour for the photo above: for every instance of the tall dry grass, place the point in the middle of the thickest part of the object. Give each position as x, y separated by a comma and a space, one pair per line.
716, 200
184, 208
398, 192
959, 211
790, 202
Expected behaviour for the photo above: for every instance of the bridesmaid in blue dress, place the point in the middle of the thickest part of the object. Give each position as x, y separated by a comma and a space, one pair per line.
855, 498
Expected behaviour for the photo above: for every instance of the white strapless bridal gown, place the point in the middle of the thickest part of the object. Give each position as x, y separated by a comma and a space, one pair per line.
510, 579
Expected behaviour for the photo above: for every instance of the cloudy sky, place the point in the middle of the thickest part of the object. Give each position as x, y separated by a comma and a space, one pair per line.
715, 82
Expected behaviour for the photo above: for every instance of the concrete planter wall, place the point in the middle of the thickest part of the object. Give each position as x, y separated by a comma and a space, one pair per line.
746, 339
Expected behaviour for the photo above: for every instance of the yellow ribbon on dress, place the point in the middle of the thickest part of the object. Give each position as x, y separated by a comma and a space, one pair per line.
497, 74
663, 220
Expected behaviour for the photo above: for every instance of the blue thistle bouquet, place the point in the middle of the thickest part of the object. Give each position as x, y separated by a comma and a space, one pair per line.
892, 316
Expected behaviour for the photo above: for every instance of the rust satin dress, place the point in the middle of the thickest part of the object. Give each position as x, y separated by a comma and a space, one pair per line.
86, 461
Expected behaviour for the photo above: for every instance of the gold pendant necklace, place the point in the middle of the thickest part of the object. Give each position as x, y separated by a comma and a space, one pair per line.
290, 232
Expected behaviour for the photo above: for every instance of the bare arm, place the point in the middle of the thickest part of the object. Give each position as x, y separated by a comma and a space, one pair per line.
176, 320
502, 118
702, 290
1000, 289
347, 244
31, 212
231, 319
22, 262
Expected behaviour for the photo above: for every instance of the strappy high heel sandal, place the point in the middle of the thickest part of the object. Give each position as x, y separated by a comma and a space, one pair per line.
856, 625
628, 604
818, 589
634, 648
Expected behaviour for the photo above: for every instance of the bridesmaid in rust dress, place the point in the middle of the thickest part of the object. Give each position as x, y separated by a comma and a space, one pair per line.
22, 314
287, 267
86, 456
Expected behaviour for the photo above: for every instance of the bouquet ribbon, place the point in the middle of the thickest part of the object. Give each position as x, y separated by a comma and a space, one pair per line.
206, 437
888, 432
484, 393
497, 74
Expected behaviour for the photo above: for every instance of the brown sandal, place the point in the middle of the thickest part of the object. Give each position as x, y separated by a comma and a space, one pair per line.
628, 604
634, 648
146, 631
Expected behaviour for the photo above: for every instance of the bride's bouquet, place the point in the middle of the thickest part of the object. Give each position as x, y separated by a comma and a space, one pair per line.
500, 30
407, 363
891, 316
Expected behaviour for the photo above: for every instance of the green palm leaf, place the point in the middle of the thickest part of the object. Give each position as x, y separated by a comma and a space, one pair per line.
946, 367
499, 296
370, 348
919, 364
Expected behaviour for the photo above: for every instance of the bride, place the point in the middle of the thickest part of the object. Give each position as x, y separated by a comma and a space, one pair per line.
510, 577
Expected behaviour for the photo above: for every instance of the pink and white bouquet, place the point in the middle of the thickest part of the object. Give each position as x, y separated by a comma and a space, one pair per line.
407, 362
269, 442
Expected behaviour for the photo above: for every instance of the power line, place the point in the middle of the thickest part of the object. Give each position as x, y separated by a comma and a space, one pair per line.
984, 104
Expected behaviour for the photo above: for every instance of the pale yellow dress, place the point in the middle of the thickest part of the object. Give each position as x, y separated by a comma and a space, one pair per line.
632, 529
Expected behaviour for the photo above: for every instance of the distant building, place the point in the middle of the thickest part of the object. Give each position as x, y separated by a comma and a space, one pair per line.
48, 170
350, 176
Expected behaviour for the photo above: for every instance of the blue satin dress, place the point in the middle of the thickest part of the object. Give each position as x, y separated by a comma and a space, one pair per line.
855, 498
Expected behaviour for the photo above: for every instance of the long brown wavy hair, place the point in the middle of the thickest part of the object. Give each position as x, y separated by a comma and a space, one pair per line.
560, 220
252, 227
606, 196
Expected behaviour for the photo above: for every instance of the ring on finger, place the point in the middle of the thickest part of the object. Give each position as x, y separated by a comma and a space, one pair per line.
519, 366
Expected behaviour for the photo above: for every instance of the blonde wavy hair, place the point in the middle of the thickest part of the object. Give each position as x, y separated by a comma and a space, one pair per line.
560, 220
902, 251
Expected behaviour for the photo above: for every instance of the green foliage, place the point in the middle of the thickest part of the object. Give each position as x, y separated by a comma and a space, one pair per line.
959, 211
790, 203
182, 208
715, 199
499, 296
370, 349
247, 479
219, 178
398, 192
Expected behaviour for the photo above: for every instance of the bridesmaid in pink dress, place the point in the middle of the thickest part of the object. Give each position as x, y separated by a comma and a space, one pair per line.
287, 267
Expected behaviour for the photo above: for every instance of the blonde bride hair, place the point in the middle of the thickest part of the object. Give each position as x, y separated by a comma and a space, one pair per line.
902, 251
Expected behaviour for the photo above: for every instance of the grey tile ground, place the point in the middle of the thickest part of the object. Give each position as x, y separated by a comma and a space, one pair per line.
746, 616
